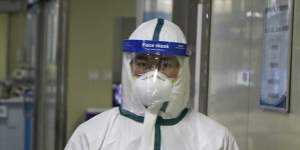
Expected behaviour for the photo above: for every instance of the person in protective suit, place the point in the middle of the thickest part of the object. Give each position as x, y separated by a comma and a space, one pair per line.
154, 114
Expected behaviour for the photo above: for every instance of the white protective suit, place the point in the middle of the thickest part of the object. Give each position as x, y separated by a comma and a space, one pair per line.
146, 125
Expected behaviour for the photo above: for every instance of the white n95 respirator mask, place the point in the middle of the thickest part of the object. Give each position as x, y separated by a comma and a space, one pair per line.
152, 89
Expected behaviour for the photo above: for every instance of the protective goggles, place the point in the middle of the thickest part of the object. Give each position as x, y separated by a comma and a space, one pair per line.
166, 64
155, 55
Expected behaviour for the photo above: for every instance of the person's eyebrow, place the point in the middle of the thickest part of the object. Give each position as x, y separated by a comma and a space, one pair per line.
140, 57
170, 58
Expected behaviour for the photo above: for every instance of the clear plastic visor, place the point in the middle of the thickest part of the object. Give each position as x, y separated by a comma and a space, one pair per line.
167, 64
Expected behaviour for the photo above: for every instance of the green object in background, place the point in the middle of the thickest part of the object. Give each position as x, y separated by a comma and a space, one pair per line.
3, 45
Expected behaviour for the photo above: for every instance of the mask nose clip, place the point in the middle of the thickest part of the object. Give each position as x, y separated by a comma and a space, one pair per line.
152, 67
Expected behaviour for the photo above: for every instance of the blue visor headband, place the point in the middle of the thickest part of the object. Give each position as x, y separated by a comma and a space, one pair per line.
155, 47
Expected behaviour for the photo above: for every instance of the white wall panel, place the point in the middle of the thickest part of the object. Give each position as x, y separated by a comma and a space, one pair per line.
235, 55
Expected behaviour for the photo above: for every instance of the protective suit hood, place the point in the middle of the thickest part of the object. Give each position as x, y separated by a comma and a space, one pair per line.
162, 31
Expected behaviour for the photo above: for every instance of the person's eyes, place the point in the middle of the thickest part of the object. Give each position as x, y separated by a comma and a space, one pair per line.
168, 65
141, 64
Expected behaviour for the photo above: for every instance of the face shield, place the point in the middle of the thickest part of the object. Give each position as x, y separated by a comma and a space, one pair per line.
154, 68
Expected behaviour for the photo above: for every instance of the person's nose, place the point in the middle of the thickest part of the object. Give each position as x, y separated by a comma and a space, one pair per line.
153, 66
